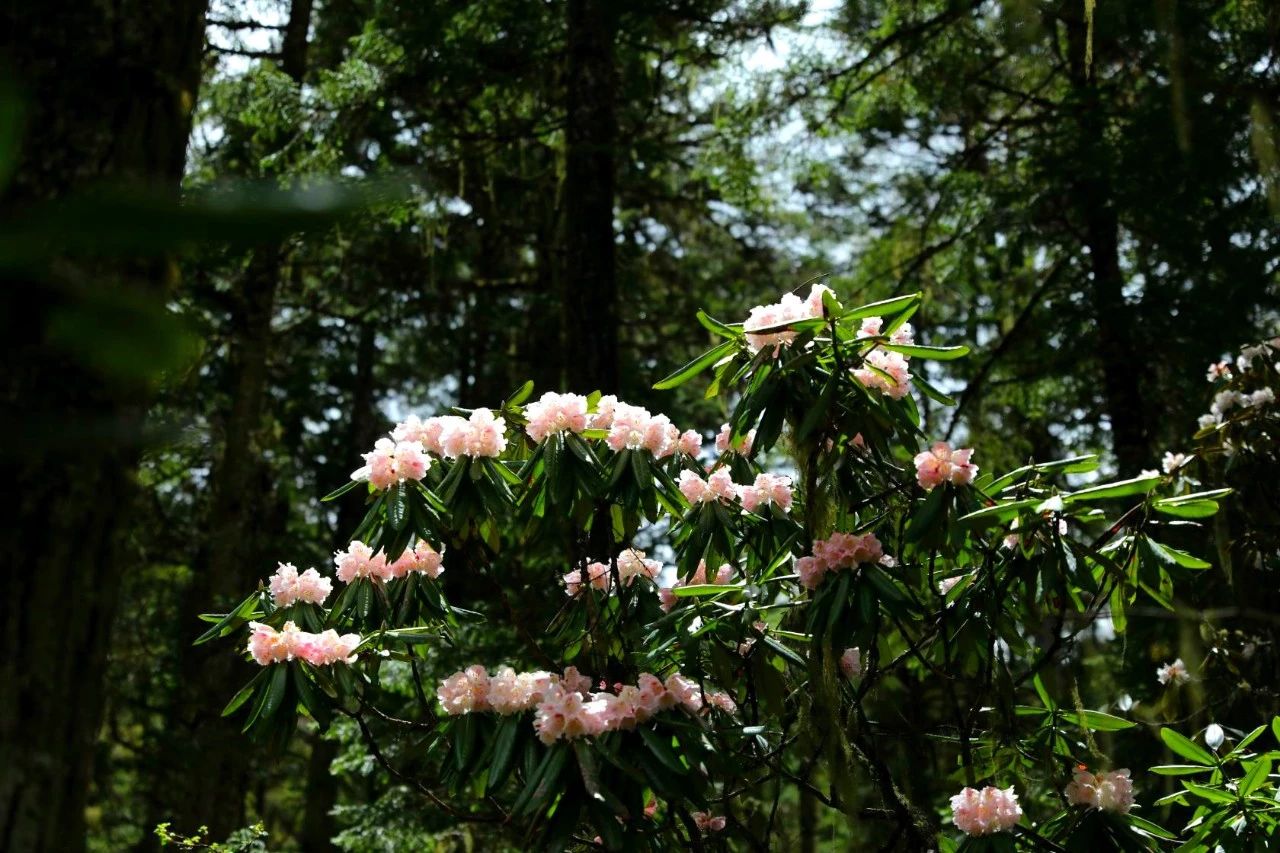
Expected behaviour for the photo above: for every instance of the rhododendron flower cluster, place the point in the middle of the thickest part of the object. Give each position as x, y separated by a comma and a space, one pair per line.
392, 462
891, 374
631, 565
268, 646
1175, 673
289, 587
554, 413
636, 428
742, 445
667, 595
851, 663
1112, 792
871, 327
767, 490
565, 707
421, 558
790, 309
718, 486
708, 823
480, 435
940, 464
985, 812
838, 551
359, 561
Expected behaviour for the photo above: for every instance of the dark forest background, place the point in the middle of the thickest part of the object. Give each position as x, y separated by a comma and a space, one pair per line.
238, 240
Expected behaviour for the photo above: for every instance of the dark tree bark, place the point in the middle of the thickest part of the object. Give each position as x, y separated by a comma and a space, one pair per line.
109, 87
1115, 321
589, 283
202, 769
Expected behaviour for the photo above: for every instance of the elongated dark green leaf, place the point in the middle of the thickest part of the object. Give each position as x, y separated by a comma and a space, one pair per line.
1148, 828
661, 748
1118, 489
932, 392
1214, 795
244, 693
1256, 777
1097, 721
397, 507
519, 395
1180, 769
342, 490
1173, 556
698, 365
883, 307
503, 750
714, 326
930, 353
1184, 746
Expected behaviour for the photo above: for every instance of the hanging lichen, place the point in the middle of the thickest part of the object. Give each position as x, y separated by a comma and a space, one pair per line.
1089, 6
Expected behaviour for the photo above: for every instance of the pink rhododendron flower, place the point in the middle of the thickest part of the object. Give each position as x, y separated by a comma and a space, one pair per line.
328, 648
743, 445
851, 663
602, 418
392, 462
708, 823
690, 442
839, 551
940, 464
1218, 370
481, 435
554, 413
465, 691
597, 576
359, 561
1173, 461
422, 558
268, 646
1175, 673
429, 432
512, 692
562, 715
790, 309
893, 378
718, 486
1112, 792
289, 587
667, 596
985, 812
768, 489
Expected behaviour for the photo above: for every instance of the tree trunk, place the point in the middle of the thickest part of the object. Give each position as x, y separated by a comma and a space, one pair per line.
109, 86
1115, 321
204, 762
589, 310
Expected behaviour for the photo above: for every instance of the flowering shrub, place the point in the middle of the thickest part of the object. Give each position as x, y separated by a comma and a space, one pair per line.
857, 562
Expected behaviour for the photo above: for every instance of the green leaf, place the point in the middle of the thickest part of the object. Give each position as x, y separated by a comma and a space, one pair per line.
1099, 722
1257, 775
503, 749
784, 650
661, 748
1182, 745
714, 326
397, 507
930, 391
1179, 769
926, 514
1173, 556
1214, 795
342, 490
1043, 693
1118, 489
699, 590
230, 621
1186, 509
519, 395
930, 353
884, 306
1148, 828
245, 692
696, 366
